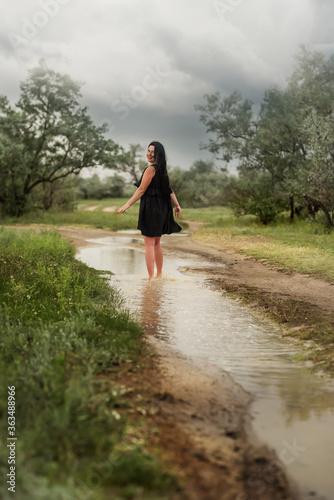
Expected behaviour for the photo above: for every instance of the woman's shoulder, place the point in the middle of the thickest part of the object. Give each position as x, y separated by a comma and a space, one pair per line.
150, 169
149, 172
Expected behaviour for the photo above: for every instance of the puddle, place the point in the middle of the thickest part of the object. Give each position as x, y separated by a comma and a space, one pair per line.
293, 410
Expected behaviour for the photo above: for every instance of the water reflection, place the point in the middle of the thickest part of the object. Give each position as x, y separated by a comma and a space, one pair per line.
305, 398
291, 406
152, 318
125, 258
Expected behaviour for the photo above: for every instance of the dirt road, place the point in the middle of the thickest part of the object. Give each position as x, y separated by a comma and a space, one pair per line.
203, 416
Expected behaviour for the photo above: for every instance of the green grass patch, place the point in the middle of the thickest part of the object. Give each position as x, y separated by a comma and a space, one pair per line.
304, 246
217, 216
81, 216
84, 216
62, 329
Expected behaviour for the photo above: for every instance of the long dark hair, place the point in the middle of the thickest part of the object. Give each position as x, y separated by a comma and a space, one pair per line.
160, 161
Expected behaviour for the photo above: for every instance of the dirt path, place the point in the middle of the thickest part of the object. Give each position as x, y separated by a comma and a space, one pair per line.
243, 271
239, 270
203, 415
92, 208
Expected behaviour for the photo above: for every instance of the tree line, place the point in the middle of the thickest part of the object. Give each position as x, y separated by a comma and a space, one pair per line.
283, 151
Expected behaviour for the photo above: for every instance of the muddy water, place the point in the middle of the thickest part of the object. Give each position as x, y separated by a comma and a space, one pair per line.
292, 410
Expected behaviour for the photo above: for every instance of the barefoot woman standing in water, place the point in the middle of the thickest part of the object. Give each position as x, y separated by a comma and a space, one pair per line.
155, 211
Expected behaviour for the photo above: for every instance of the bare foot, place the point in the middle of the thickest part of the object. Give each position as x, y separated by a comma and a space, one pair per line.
151, 278
159, 276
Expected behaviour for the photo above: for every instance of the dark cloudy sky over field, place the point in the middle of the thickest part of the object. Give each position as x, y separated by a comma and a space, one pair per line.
146, 63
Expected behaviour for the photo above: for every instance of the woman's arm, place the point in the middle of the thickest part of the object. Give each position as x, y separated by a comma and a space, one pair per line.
176, 204
146, 181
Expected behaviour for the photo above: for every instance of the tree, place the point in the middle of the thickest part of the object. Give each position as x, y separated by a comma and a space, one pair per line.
61, 194
312, 88
318, 179
232, 123
256, 195
131, 161
96, 188
46, 136
200, 186
279, 147
254, 141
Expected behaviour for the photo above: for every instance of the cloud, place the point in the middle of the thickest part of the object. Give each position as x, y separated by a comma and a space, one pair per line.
193, 48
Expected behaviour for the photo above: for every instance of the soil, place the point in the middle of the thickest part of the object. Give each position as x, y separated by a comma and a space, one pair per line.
202, 415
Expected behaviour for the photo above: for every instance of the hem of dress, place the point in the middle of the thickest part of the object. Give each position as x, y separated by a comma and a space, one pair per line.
158, 235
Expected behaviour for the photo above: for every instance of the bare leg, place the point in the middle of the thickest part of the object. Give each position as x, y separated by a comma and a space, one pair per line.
158, 256
149, 256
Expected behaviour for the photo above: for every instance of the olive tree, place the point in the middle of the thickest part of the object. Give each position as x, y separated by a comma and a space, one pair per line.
47, 136
285, 149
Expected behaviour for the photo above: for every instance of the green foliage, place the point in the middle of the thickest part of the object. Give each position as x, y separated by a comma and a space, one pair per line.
318, 179
61, 195
63, 331
96, 188
200, 186
131, 162
81, 216
46, 137
288, 144
231, 121
305, 246
257, 196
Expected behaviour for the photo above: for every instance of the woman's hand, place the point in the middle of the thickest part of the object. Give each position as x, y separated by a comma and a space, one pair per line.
123, 208
177, 211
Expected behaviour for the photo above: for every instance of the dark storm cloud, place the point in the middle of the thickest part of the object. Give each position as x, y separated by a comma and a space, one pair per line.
146, 63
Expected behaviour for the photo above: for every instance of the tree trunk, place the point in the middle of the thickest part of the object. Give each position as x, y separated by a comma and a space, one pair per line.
48, 196
319, 204
15, 204
292, 208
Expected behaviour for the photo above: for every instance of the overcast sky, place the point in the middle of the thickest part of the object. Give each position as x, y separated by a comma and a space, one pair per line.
144, 64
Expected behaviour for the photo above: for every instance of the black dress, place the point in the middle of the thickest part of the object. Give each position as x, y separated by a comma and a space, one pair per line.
155, 211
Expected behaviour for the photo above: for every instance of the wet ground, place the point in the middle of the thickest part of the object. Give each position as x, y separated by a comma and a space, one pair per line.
292, 410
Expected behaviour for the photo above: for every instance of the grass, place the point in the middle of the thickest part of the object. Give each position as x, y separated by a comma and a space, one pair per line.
304, 246
65, 335
82, 217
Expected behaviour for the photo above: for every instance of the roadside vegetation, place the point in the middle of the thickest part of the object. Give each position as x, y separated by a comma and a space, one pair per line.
81, 216
66, 338
304, 246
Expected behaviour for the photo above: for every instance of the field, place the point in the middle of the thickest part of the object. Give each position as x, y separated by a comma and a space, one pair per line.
66, 339
303, 246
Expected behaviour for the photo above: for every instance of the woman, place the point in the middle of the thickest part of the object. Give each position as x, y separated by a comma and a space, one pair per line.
155, 211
